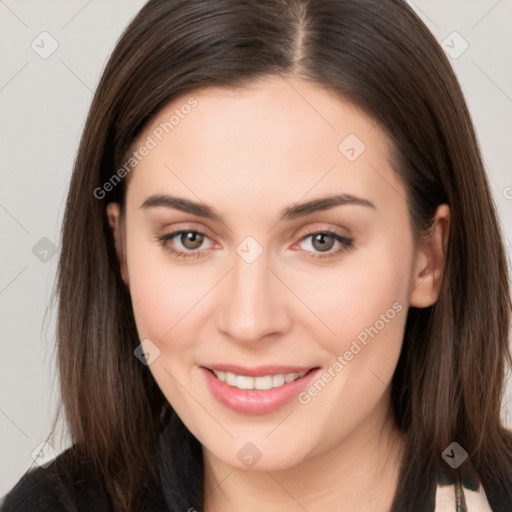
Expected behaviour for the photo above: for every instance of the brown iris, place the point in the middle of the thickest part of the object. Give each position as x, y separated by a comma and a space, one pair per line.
323, 242
191, 239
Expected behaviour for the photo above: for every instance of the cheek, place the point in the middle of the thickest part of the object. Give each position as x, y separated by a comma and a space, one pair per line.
365, 284
364, 302
163, 293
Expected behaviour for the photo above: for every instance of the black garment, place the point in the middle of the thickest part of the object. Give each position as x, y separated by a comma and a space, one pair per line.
68, 485
71, 484
65, 485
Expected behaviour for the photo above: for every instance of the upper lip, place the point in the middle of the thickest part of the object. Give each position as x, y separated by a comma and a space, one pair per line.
257, 371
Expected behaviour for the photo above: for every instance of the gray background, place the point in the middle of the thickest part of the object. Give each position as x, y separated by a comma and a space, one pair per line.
43, 104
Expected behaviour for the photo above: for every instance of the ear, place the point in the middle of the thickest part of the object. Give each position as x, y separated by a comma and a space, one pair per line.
114, 220
430, 261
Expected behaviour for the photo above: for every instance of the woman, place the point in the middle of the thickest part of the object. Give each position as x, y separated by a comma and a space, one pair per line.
279, 214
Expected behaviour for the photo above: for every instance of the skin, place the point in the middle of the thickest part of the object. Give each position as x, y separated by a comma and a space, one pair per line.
250, 153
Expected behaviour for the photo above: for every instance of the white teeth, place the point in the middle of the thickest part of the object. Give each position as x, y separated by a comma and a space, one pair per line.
278, 380
261, 383
243, 382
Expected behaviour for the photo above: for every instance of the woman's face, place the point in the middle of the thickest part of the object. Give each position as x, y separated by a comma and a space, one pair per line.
266, 235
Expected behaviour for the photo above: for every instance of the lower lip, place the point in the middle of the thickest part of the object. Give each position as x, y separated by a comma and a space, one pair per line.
255, 401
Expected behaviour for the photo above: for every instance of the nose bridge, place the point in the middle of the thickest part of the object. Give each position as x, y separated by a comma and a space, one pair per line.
251, 307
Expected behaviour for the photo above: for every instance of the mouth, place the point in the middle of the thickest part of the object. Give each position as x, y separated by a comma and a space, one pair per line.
256, 390
261, 383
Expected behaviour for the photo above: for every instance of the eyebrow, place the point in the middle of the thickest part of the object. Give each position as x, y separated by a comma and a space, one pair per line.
290, 213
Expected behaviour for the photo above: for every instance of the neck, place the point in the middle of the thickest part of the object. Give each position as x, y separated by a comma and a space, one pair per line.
358, 474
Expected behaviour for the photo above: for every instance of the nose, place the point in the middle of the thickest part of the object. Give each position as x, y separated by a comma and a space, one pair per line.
253, 303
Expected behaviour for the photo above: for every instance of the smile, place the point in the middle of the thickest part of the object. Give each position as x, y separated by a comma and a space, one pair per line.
268, 389
260, 383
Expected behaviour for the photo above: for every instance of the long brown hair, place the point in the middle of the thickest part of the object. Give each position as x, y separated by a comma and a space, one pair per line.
378, 55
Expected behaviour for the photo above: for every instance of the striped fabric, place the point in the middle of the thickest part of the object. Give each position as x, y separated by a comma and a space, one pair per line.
460, 491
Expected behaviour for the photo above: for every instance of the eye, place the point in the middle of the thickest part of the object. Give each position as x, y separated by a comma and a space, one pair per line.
185, 243
191, 244
320, 244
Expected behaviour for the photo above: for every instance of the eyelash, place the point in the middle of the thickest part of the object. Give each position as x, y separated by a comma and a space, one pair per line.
346, 244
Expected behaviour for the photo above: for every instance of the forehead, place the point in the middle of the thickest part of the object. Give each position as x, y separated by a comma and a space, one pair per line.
279, 137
